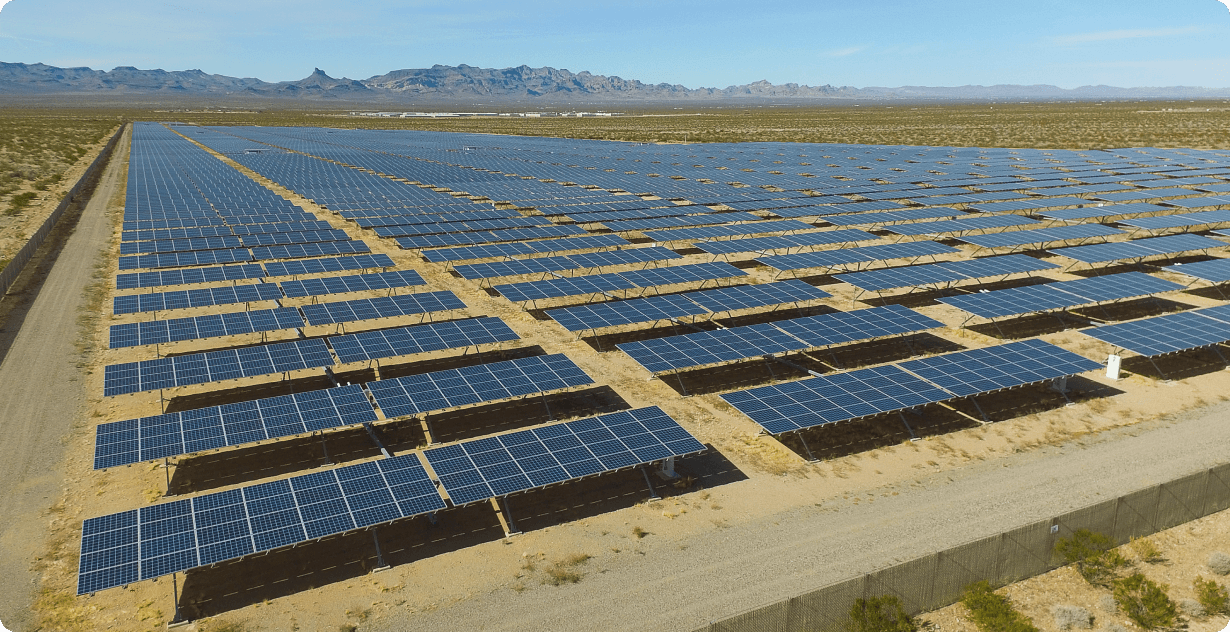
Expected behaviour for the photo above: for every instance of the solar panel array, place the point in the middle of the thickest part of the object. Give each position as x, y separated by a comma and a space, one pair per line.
827, 399
1060, 295
1169, 333
188, 216
945, 272
739, 343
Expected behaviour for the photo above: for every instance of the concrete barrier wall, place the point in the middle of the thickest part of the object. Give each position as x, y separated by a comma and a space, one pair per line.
934, 581
10, 272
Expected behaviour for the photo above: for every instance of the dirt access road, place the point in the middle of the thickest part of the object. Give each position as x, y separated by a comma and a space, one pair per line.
680, 585
43, 395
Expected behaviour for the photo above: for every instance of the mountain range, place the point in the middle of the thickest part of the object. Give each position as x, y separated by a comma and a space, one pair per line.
468, 84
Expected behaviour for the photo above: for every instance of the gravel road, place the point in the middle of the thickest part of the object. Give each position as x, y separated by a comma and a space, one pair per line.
43, 393
726, 571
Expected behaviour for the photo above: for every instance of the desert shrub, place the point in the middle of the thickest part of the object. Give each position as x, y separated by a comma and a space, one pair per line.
992, 612
880, 614
1069, 617
1093, 555
1219, 563
1146, 550
1145, 602
20, 201
1212, 596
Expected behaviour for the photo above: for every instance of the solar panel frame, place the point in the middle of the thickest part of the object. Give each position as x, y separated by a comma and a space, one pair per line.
401, 341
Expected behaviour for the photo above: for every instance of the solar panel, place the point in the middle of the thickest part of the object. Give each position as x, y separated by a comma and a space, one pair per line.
382, 307
1041, 236
440, 390
796, 240
1213, 271
728, 299
463, 239
188, 276
817, 401
126, 547
180, 245
610, 282
738, 343
1184, 220
213, 366
524, 248
299, 251
351, 283
182, 259
337, 264
387, 343
976, 371
979, 222
181, 299
473, 471
892, 217
710, 232
835, 258
1110, 210
1038, 298
946, 272
191, 431
614, 313
199, 327
1163, 334
1138, 249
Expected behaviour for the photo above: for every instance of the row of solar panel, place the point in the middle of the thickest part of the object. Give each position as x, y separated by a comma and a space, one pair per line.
123, 548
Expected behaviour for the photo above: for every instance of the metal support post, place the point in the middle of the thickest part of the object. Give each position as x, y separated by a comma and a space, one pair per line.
653, 493
667, 470
806, 448
979, 408
380, 563
166, 465
371, 432
177, 620
913, 437
504, 513
325, 447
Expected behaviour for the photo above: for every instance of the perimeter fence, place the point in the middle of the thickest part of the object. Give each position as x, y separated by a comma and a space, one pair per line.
10, 272
937, 580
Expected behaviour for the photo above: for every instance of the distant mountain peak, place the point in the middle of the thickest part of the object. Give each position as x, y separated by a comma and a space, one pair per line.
519, 84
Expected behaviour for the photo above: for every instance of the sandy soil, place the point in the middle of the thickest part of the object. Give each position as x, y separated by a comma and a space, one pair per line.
758, 521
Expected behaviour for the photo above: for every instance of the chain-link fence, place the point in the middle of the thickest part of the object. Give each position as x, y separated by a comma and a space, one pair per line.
936, 580
10, 272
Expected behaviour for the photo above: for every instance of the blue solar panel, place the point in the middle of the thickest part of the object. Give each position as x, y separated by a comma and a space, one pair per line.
130, 546
181, 299
187, 432
976, 371
382, 307
387, 343
817, 401
946, 272
189, 276
965, 224
351, 283
428, 392
181, 259
739, 343
318, 266
524, 248
485, 237
796, 240
610, 282
1139, 249
892, 217
793, 406
199, 327
1213, 271
1164, 334
712, 232
180, 245
835, 258
213, 366
638, 310
1064, 294
299, 251
476, 470
1183, 220
1041, 236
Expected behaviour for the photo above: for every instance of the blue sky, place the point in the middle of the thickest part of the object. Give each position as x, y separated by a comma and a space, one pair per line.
711, 43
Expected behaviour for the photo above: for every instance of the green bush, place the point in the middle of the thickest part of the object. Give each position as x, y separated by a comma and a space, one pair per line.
992, 612
880, 614
1093, 555
1212, 596
1145, 602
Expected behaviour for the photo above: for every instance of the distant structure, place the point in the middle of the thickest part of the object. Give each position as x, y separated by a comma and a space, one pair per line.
473, 114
